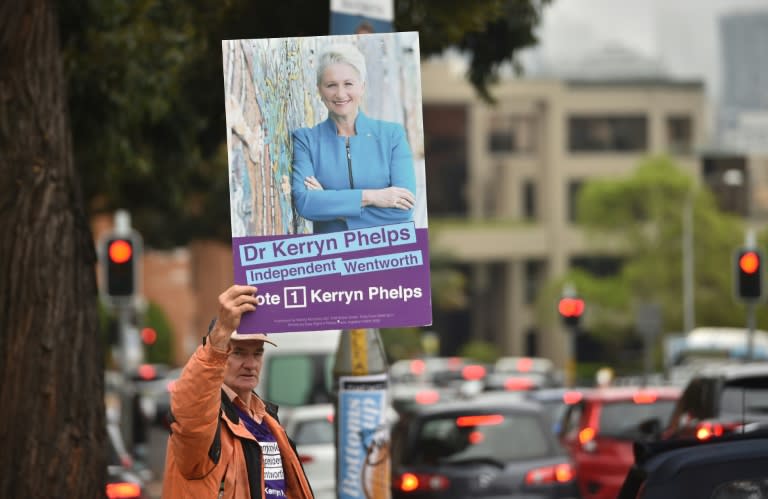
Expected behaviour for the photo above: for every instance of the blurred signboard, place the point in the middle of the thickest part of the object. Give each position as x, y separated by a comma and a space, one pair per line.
361, 16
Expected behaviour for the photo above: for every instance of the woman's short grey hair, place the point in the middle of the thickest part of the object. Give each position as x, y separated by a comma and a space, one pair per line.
345, 53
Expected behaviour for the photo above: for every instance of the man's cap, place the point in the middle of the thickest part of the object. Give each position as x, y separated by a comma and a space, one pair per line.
251, 336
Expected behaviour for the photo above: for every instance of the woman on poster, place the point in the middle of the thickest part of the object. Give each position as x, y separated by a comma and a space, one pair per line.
350, 171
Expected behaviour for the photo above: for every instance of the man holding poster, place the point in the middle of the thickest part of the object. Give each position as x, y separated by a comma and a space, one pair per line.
225, 441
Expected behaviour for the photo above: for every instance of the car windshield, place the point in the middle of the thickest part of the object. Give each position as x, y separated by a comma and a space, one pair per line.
300, 379
501, 437
621, 419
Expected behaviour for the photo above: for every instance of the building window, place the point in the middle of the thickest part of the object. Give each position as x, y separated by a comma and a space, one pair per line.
574, 188
445, 147
607, 133
532, 342
512, 134
680, 134
534, 276
529, 200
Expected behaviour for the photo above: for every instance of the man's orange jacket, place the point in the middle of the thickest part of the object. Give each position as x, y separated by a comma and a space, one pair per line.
210, 451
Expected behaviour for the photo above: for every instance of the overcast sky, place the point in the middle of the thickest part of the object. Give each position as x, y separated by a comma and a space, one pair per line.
681, 34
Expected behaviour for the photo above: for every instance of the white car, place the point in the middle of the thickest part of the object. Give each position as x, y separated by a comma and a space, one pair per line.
311, 428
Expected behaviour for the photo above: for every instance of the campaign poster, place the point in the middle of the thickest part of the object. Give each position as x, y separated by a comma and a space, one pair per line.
363, 438
327, 188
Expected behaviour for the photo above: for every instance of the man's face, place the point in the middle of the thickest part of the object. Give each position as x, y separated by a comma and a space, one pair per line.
244, 366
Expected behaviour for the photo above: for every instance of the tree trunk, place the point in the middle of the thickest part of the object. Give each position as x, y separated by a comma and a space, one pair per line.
52, 421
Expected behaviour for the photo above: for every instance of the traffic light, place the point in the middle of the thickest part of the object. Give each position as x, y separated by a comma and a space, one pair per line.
749, 274
148, 335
571, 308
120, 255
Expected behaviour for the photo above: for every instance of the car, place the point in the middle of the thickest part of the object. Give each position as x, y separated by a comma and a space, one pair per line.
491, 446
721, 399
555, 402
156, 395
540, 370
123, 481
436, 371
311, 429
599, 432
732, 467
428, 380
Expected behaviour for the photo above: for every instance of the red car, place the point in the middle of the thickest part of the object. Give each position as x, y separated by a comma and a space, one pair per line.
599, 432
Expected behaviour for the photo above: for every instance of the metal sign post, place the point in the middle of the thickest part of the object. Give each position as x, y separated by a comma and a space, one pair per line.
648, 323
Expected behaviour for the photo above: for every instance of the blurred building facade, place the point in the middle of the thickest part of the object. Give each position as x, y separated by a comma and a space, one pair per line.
502, 183
743, 113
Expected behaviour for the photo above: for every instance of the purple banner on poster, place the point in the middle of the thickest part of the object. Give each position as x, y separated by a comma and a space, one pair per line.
360, 285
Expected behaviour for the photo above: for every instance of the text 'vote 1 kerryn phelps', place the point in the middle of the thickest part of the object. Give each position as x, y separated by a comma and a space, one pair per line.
370, 277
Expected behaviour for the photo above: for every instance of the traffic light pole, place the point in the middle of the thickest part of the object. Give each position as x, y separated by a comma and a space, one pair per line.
573, 357
750, 354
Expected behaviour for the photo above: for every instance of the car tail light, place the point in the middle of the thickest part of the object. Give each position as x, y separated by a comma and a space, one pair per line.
426, 397
329, 417
524, 365
147, 372
473, 372
645, 397
421, 482
479, 420
572, 397
517, 384
476, 437
417, 367
559, 473
708, 429
123, 490
454, 363
306, 458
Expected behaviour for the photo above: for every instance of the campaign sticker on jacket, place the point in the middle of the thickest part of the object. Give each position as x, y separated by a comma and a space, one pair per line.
327, 185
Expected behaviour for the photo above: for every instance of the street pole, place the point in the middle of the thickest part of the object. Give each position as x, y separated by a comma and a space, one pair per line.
750, 333
688, 267
362, 433
573, 358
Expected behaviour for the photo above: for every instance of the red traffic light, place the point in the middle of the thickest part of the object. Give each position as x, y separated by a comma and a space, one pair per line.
120, 251
148, 336
571, 307
749, 262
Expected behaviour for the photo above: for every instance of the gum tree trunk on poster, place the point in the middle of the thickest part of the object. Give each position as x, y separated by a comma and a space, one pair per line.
52, 422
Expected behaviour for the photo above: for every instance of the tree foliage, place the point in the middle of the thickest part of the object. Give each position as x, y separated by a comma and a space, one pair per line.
644, 212
147, 99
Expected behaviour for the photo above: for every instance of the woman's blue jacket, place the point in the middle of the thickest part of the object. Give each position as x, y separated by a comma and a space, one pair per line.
379, 157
